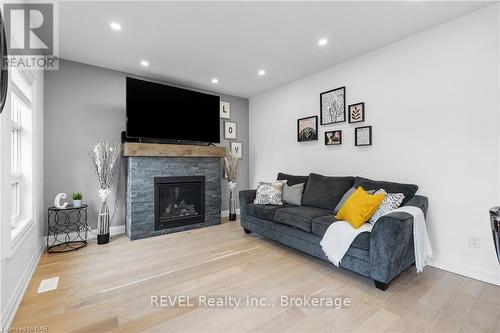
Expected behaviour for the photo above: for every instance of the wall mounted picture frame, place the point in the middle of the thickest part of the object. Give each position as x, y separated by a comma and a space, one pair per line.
236, 147
230, 130
363, 136
307, 129
225, 110
357, 112
333, 106
333, 138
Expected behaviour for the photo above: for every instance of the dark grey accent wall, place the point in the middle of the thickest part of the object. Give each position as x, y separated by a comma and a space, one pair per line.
84, 103
141, 172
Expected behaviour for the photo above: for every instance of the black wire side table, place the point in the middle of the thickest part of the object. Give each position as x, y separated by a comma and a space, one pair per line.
67, 229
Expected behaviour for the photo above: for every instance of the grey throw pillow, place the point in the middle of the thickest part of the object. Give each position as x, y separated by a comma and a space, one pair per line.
293, 194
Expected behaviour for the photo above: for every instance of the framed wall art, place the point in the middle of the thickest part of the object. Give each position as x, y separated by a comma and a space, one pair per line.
333, 138
363, 136
225, 110
332, 106
307, 129
236, 147
230, 130
357, 112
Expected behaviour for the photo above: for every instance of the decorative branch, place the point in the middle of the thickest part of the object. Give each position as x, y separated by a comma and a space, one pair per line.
231, 166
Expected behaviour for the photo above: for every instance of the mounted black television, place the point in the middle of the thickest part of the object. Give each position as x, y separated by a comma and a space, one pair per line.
161, 113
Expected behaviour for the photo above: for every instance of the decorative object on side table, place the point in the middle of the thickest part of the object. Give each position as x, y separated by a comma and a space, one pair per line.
231, 168
357, 112
237, 148
363, 136
307, 129
77, 199
57, 201
230, 130
67, 229
332, 106
104, 157
333, 138
225, 110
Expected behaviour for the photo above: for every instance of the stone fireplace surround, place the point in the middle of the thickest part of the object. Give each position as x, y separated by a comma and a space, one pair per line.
144, 162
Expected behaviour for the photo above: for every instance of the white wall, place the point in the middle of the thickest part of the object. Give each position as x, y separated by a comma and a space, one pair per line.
432, 100
19, 260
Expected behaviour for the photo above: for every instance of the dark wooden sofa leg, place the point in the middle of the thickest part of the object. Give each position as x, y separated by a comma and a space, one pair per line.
380, 285
246, 231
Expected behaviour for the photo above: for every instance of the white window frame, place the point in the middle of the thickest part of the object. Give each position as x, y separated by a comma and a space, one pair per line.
21, 222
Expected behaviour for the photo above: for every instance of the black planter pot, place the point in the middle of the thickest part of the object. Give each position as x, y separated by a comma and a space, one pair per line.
103, 239
232, 217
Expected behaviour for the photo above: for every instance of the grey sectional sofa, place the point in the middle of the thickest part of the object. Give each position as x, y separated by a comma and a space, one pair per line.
380, 255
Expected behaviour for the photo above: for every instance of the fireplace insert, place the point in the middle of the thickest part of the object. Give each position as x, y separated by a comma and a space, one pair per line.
179, 201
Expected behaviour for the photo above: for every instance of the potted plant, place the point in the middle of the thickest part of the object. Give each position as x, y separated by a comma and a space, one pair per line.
77, 199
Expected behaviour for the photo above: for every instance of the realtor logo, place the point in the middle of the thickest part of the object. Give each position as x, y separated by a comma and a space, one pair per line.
30, 33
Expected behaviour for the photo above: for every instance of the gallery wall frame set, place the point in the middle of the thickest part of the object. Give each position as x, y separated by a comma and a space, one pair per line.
307, 129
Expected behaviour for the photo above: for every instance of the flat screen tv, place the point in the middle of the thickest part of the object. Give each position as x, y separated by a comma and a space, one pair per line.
157, 112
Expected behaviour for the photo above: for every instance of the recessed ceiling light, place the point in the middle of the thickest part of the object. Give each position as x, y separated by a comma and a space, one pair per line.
322, 42
215, 80
144, 63
262, 72
115, 26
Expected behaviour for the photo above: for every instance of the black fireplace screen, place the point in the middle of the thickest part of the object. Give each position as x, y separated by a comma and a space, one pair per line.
179, 201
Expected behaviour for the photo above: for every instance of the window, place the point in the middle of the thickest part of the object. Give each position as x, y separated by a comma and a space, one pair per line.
21, 148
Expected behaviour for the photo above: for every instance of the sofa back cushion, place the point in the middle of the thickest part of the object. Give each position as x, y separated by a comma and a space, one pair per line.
325, 192
408, 190
293, 180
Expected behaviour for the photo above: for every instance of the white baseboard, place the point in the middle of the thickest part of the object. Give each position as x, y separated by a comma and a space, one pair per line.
471, 272
17, 296
225, 213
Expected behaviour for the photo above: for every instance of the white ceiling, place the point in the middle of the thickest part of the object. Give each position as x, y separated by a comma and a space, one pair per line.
189, 43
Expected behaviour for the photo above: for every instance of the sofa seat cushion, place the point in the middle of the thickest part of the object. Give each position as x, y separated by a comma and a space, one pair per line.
320, 224
408, 190
299, 217
265, 212
325, 192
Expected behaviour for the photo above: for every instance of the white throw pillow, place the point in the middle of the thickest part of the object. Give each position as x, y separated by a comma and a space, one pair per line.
390, 202
269, 193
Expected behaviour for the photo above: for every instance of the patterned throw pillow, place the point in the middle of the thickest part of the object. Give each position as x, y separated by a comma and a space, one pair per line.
390, 202
269, 193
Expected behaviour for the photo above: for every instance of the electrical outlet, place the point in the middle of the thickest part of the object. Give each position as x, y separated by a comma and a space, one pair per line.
474, 242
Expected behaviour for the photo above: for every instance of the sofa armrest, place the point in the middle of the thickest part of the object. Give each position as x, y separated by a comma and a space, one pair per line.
391, 242
246, 197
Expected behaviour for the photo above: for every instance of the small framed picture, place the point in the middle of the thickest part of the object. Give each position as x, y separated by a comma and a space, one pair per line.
230, 130
363, 136
333, 138
307, 129
357, 112
225, 110
332, 106
237, 148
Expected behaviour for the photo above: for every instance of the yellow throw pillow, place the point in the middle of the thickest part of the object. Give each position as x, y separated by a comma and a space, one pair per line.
359, 207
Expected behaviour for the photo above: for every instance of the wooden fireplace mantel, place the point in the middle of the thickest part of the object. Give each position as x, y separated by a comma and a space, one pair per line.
131, 149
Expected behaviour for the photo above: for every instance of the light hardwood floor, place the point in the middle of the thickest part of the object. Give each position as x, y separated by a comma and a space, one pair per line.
108, 289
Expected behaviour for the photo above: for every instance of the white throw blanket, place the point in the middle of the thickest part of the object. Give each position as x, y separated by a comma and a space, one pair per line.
340, 235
